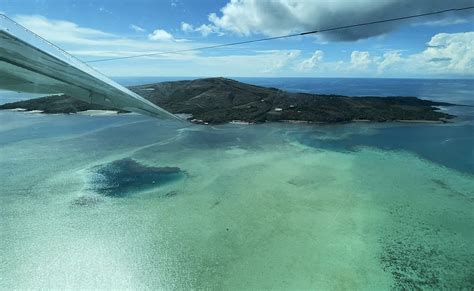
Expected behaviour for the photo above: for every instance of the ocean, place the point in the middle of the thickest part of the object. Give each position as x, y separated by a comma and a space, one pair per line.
133, 202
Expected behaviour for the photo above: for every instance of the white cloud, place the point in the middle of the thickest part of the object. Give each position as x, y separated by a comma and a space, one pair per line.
310, 63
136, 28
89, 43
160, 35
186, 27
204, 29
277, 17
62, 31
279, 59
389, 59
446, 55
360, 60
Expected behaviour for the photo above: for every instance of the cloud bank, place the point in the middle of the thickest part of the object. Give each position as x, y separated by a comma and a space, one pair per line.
445, 55
278, 17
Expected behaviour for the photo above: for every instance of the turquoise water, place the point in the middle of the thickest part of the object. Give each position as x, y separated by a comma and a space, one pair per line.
282, 206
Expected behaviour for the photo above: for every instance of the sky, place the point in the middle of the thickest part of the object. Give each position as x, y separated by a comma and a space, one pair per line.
439, 46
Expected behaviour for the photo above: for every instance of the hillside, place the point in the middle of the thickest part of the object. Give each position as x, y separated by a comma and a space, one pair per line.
220, 100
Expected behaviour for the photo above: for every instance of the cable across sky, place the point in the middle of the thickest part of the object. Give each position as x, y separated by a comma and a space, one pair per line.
286, 36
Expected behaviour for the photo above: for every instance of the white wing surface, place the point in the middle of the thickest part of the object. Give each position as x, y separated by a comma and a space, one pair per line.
28, 63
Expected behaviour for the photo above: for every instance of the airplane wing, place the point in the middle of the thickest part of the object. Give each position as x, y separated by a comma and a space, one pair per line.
29, 63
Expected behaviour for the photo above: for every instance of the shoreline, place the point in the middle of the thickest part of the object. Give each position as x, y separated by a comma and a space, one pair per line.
98, 112
190, 119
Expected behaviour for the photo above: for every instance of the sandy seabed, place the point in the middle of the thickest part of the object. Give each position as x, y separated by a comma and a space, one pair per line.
257, 208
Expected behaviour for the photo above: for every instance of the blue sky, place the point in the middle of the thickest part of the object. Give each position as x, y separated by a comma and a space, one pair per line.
434, 47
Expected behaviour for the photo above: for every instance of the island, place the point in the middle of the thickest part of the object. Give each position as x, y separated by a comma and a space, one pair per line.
221, 100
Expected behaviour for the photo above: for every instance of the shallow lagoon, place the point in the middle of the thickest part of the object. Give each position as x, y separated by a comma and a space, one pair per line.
264, 206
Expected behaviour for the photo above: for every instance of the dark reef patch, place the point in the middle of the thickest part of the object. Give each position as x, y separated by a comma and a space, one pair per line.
123, 177
421, 255
411, 265
215, 204
418, 266
170, 194
300, 182
87, 200
453, 193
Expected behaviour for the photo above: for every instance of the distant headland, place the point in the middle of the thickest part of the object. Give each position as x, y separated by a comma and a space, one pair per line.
221, 100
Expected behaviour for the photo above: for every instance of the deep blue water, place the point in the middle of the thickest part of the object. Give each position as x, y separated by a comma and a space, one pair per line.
448, 145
